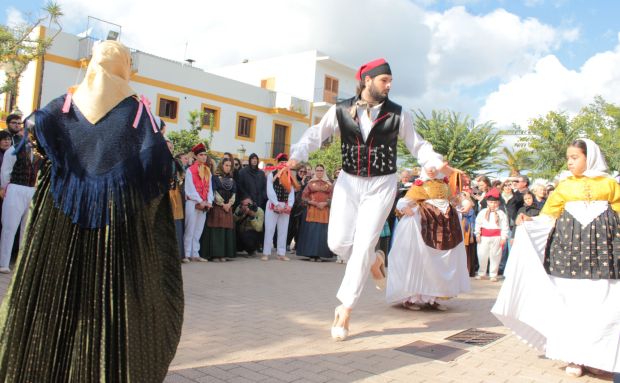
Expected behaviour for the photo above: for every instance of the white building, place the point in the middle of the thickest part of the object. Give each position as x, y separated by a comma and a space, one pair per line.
254, 111
309, 75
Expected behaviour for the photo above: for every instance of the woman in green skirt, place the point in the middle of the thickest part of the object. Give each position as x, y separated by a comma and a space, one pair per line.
218, 242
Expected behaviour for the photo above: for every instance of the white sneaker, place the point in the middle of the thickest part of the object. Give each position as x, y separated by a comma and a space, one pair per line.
5, 270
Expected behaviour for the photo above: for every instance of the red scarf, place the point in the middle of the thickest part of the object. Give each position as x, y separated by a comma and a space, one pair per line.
201, 183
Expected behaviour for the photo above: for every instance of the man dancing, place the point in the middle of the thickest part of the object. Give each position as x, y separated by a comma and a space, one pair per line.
369, 125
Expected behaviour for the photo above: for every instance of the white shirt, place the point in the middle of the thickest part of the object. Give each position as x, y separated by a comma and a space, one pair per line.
312, 138
8, 161
190, 190
481, 222
273, 197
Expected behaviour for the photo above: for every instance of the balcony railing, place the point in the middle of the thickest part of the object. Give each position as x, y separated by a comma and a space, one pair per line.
320, 95
294, 104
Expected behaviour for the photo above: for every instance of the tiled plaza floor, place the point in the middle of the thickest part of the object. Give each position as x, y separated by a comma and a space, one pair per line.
254, 321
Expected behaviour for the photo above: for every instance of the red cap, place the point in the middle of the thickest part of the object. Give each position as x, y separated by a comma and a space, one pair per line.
200, 148
373, 68
492, 194
281, 157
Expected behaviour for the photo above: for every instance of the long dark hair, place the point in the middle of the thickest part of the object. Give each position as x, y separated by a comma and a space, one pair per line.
220, 167
360, 88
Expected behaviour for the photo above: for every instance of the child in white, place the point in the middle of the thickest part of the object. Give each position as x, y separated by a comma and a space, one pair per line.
491, 232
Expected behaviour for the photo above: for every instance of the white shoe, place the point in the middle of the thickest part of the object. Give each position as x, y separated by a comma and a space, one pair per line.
340, 333
199, 259
185, 260
574, 370
411, 306
264, 258
5, 270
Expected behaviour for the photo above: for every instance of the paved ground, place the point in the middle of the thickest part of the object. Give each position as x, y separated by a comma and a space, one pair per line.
253, 321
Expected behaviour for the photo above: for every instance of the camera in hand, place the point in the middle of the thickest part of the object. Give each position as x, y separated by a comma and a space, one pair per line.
253, 207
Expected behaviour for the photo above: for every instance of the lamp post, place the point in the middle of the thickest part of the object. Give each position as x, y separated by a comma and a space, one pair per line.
241, 152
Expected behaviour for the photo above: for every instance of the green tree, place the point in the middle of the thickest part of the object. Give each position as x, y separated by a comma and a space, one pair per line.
185, 139
512, 161
329, 156
19, 46
465, 145
600, 122
547, 138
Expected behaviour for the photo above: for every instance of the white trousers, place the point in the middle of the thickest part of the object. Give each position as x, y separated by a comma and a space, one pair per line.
489, 247
273, 220
15, 209
359, 208
194, 224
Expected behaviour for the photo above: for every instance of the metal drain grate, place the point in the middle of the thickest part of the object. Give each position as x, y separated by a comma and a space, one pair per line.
432, 351
475, 337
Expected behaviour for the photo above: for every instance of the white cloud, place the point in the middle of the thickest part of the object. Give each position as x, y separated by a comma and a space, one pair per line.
434, 55
14, 17
468, 49
552, 87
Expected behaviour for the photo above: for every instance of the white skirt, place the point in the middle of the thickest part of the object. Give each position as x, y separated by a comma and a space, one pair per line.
573, 320
416, 269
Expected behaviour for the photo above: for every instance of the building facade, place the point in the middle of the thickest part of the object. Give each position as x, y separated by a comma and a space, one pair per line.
245, 117
310, 75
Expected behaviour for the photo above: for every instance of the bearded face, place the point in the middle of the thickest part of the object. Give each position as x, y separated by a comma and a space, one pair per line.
379, 87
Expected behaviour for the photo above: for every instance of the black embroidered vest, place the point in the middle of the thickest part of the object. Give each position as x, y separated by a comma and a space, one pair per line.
25, 169
377, 155
281, 192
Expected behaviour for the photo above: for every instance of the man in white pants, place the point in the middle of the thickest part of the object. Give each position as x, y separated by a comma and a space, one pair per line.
369, 125
199, 198
278, 211
18, 176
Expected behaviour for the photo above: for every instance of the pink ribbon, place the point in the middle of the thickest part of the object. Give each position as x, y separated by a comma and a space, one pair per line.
67, 105
145, 102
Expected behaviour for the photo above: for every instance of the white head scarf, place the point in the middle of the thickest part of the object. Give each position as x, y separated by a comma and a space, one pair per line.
595, 162
324, 178
106, 83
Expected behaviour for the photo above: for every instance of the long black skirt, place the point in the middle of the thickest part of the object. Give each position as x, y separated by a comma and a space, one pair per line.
93, 305
313, 240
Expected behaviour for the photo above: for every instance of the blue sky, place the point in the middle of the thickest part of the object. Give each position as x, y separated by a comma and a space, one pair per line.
506, 61
597, 21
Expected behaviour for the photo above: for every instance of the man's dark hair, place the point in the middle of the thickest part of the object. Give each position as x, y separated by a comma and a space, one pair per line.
12, 117
526, 179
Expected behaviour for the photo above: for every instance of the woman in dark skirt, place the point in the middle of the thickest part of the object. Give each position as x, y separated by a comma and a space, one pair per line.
313, 236
97, 294
562, 296
218, 242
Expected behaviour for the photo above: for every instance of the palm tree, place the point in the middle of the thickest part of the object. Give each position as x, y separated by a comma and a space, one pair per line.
463, 143
512, 161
